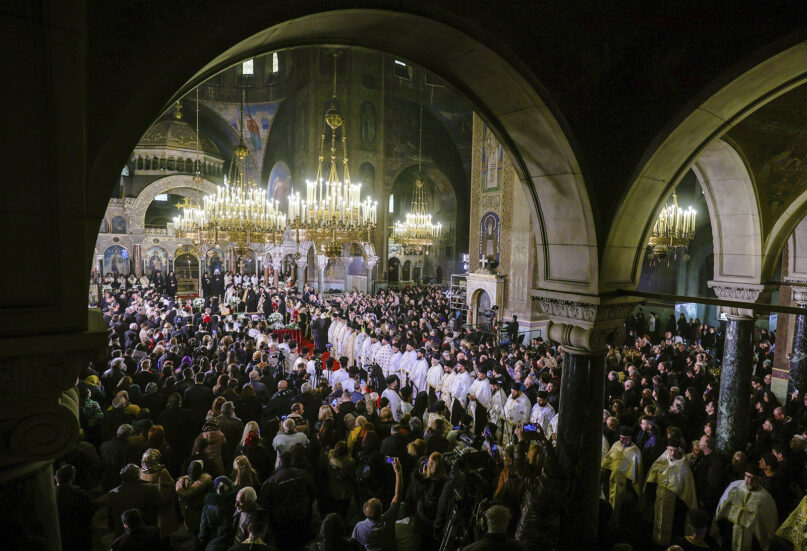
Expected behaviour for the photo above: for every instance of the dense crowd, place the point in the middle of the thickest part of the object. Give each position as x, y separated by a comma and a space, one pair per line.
393, 426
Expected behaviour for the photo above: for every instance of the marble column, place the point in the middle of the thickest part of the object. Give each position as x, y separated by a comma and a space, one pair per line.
798, 356
370, 262
322, 263
582, 325
301, 266
580, 443
734, 409
138, 260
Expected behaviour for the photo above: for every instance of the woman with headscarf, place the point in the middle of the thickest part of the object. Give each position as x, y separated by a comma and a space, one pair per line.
191, 490
153, 471
216, 527
216, 441
260, 456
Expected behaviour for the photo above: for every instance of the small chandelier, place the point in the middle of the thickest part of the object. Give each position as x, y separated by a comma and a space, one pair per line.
332, 211
238, 213
673, 230
417, 232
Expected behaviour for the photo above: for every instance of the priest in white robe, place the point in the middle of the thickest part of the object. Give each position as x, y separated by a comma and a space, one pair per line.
417, 371
542, 413
516, 412
670, 478
434, 379
395, 363
391, 394
746, 513
479, 395
459, 393
623, 465
496, 410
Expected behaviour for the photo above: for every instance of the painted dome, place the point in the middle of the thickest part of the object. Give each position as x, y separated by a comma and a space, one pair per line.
177, 134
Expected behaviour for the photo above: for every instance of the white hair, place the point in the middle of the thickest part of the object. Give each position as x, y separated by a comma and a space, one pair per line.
247, 495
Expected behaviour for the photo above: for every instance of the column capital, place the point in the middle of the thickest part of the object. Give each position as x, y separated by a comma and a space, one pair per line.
39, 404
583, 323
371, 262
301, 262
322, 262
741, 292
799, 289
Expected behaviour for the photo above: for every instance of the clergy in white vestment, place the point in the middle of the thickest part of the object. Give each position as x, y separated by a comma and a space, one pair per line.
358, 345
497, 400
479, 395
383, 356
395, 362
417, 370
542, 413
671, 477
516, 412
391, 394
794, 528
434, 379
624, 465
459, 393
406, 364
746, 513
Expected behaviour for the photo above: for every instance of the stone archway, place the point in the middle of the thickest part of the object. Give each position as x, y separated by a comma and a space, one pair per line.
670, 156
733, 213
179, 182
505, 97
790, 226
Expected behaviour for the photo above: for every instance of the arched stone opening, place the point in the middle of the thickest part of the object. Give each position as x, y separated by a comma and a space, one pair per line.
181, 183
750, 86
505, 97
733, 213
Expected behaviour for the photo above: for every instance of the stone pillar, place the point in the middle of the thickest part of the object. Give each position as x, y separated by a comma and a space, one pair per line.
734, 409
798, 357
138, 259
322, 263
582, 325
370, 262
302, 264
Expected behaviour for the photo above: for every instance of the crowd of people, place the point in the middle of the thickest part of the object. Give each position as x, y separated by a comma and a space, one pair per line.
393, 426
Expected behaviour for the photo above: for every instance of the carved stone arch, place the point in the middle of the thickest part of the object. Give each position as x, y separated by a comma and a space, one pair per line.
733, 212
180, 182
672, 154
789, 225
506, 96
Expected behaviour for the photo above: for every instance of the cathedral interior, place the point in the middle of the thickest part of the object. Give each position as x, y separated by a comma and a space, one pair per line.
550, 139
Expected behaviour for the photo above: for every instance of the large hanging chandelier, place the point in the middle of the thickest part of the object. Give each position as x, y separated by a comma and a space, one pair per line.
417, 232
673, 230
238, 213
332, 212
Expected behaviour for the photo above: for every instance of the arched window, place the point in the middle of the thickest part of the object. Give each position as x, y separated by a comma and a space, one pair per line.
391, 203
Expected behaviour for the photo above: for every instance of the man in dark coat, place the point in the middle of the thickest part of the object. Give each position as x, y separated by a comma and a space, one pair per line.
115, 453
76, 510
132, 493
180, 425
171, 284
288, 495
199, 397
138, 535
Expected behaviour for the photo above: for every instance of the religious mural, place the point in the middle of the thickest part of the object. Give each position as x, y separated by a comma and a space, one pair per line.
258, 119
214, 260
492, 161
489, 235
116, 260
118, 225
279, 185
368, 123
155, 259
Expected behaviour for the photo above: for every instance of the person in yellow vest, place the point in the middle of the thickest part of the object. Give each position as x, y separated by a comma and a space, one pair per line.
623, 466
671, 480
746, 514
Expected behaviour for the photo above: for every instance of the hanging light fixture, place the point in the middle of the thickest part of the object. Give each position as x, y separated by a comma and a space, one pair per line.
239, 212
673, 230
332, 211
187, 225
417, 232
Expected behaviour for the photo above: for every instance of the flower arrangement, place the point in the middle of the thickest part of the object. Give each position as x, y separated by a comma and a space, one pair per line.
198, 303
275, 321
291, 325
233, 301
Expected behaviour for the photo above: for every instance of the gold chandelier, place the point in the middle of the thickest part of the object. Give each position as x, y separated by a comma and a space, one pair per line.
332, 211
417, 231
673, 230
238, 213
